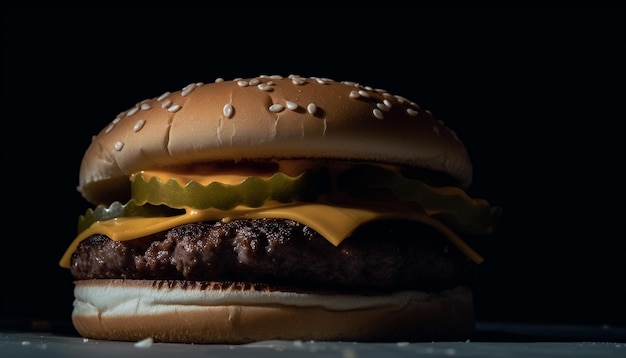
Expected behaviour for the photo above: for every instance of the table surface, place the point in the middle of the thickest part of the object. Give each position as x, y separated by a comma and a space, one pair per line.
492, 340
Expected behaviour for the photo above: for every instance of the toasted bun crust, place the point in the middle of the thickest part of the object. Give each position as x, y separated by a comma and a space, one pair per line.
269, 117
201, 312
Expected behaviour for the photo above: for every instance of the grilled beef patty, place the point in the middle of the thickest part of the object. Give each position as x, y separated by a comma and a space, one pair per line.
379, 256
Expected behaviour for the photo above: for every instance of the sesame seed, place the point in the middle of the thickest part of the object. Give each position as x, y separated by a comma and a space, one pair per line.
166, 103
162, 97
254, 82
276, 77
298, 81
117, 119
415, 105
411, 112
174, 108
387, 103
132, 111
401, 99
311, 108
436, 130
428, 112
219, 79
291, 105
276, 108
383, 107
187, 90
140, 123
265, 87
228, 110
456, 137
145, 106
364, 94
109, 128
242, 83
118, 146
378, 113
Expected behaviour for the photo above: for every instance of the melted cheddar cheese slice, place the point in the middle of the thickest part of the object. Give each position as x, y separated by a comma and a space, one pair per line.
335, 223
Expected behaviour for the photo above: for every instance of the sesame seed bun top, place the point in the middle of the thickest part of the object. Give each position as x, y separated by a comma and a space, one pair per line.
269, 117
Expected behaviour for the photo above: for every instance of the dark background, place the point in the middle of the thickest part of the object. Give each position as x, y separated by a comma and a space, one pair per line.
535, 91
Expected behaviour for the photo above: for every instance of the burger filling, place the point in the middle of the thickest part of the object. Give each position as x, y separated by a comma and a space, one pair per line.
301, 224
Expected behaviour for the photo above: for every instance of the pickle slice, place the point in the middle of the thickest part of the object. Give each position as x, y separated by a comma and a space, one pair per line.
252, 191
450, 205
117, 210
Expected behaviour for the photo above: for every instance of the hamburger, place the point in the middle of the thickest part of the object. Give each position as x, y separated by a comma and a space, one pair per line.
276, 208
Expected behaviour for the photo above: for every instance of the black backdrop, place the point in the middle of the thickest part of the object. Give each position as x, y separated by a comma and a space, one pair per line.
535, 91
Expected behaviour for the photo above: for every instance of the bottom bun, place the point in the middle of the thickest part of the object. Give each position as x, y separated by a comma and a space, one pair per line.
234, 313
